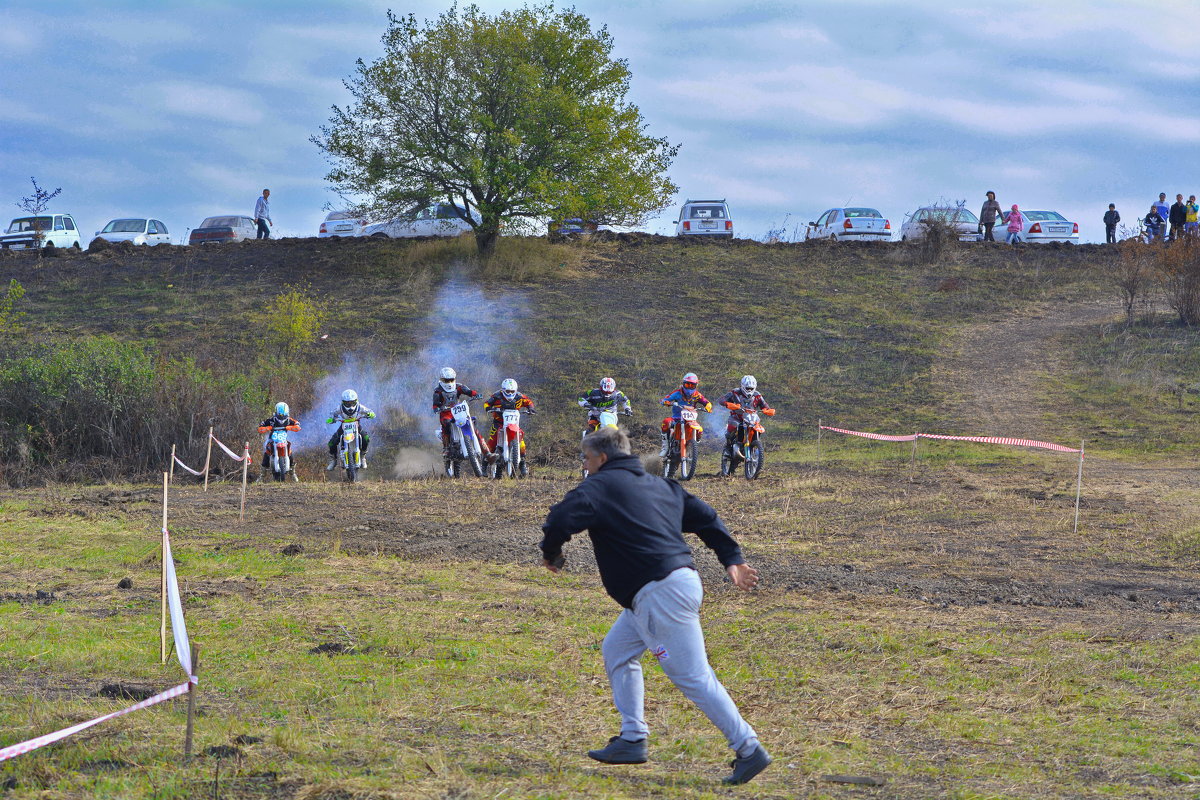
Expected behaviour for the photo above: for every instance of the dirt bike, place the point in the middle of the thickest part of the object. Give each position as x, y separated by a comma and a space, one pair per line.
510, 461
608, 419
681, 446
747, 444
463, 444
281, 459
350, 448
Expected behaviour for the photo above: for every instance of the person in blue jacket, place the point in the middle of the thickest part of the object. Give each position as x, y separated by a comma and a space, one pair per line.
636, 522
688, 393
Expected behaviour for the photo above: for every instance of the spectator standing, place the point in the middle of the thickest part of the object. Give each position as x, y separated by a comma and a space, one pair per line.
1193, 217
1154, 223
987, 216
635, 521
262, 215
1164, 211
1016, 224
1111, 218
1177, 218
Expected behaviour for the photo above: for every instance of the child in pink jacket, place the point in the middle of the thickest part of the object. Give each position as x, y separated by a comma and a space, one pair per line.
1016, 224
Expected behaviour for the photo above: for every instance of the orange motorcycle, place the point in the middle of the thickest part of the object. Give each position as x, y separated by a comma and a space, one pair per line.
747, 444
681, 446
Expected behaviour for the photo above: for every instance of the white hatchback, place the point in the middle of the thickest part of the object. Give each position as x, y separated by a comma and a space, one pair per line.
704, 218
440, 219
840, 224
138, 230
340, 223
45, 230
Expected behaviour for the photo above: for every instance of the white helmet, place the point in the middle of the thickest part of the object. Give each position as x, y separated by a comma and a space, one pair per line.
508, 388
749, 384
349, 401
282, 410
608, 385
448, 379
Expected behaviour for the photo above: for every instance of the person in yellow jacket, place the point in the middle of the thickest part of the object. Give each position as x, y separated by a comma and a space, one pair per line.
1192, 226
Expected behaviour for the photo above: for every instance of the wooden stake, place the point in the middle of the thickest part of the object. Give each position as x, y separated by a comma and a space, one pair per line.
187, 737
819, 431
912, 471
171, 465
208, 459
162, 638
1078, 487
245, 475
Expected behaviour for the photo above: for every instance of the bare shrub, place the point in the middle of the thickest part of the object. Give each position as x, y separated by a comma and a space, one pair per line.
35, 205
1133, 272
939, 237
1179, 273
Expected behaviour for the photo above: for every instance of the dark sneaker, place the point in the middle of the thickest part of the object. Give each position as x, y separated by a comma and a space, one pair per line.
744, 769
621, 751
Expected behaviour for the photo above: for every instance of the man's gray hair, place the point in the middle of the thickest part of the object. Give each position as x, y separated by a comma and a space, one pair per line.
608, 442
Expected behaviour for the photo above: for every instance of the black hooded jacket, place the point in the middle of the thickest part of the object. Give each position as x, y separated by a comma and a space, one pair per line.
635, 521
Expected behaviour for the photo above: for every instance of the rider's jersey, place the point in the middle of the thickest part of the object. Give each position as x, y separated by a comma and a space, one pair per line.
341, 416
754, 399
694, 399
275, 424
596, 400
444, 401
498, 402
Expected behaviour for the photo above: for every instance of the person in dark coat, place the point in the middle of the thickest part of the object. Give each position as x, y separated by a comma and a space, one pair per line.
1178, 218
1111, 218
636, 522
987, 216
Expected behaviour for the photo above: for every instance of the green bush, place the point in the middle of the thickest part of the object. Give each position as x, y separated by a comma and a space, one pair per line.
102, 408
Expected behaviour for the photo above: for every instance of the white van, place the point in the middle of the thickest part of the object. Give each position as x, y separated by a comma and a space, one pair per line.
45, 230
704, 218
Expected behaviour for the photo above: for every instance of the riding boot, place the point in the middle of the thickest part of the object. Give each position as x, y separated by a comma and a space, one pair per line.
662, 453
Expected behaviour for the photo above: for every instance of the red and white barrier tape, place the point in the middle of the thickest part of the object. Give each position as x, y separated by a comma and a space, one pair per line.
185, 466
183, 650
228, 452
982, 439
51, 738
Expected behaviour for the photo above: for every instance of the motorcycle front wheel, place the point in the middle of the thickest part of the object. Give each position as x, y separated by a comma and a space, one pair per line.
754, 462
351, 474
687, 467
473, 457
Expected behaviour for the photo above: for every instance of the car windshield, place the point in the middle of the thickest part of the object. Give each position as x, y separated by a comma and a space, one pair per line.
952, 215
448, 212
851, 213
220, 222
125, 226
708, 212
336, 215
27, 224
1044, 216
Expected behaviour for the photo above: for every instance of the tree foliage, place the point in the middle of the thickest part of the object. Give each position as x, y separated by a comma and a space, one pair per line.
293, 319
516, 117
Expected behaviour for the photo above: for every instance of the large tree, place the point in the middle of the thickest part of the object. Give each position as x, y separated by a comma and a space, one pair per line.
517, 116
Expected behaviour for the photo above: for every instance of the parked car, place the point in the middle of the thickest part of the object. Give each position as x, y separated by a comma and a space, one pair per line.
572, 227
1044, 226
439, 219
862, 224
230, 228
704, 218
134, 229
45, 230
963, 219
340, 223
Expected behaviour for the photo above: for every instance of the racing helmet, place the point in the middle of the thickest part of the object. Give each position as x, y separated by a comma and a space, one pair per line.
282, 410
508, 388
749, 384
608, 386
349, 401
448, 379
690, 382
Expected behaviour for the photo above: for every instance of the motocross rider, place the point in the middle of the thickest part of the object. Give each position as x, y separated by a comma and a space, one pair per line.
745, 396
282, 421
446, 395
507, 399
687, 394
348, 410
606, 397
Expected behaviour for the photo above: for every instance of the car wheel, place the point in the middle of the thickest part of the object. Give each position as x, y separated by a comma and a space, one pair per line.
833, 237
48, 246
904, 238
379, 236
76, 245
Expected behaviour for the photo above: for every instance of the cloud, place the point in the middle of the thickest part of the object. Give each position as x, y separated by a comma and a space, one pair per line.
212, 101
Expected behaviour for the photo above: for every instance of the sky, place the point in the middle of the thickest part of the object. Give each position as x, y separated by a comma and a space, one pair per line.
179, 111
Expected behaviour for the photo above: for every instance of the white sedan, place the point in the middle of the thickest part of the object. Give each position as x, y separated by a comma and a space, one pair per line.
963, 220
340, 223
1042, 227
841, 224
138, 230
440, 219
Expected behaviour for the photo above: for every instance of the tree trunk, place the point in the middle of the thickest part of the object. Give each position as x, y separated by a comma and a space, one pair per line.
486, 236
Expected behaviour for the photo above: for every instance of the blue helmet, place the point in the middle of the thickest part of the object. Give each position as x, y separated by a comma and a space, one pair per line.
282, 410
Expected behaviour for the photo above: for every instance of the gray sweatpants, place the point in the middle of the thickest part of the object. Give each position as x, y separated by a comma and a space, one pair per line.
665, 620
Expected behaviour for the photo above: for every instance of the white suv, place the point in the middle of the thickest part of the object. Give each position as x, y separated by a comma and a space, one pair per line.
704, 218
53, 230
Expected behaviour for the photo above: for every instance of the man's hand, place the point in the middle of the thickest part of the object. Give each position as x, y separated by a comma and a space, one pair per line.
744, 576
